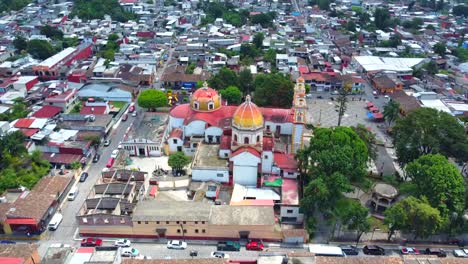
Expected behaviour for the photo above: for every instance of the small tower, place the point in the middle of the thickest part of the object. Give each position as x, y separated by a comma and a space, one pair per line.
300, 112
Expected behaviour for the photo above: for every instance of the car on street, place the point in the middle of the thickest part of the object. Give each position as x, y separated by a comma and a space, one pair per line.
134, 114
409, 251
125, 117
91, 242
217, 254
131, 109
335, 93
373, 250
319, 97
460, 253
96, 158
114, 153
349, 250
122, 243
107, 142
83, 176
176, 244
308, 96
436, 251
130, 252
228, 246
255, 245
7, 242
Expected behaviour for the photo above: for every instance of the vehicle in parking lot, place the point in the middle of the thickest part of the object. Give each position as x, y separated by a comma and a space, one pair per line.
436, 251
131, 109
461, 253
130, 252
125, 117
114, 153
83, 176
91, 242
110, 162
176, 244
107, 142
122, 243
255, 245
373, 250
409, 251
228, 246
217, 254
96, 158
349, 250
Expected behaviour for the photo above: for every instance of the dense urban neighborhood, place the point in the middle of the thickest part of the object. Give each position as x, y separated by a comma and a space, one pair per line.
243, 131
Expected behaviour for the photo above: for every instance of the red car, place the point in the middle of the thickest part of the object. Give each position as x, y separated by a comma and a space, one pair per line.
409, 251
255, 245
91, 242
131, 109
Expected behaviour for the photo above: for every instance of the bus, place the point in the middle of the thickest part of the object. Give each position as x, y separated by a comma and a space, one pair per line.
326, 250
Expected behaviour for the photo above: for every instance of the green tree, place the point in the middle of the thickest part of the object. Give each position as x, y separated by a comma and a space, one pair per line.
190, 68
353, 216
461, 53
258, 40
275, 90
246, 81
413, 215
75, 165
431, 67
391, 111
8, 5
460, 10
20, 44
232, 94
369, 138
150, 2
248, 51
70, 42
428, 131
40, 49
341, 106
264, 19
52, 32
233, 18
97, 9
19, 110
225, 77
351, 26
440, 181
440, 48
178, 161
381, 18
151, 99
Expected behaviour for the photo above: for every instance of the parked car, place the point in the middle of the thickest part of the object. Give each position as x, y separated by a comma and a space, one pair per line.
349, 250
107, 142
130, 252
255, 245
83, 176
436, 251
373, 250
91, 242
319, 97
460, 253
228, 246
217, 254
131, 109
125, 117
114, 153
409, 251
122, 243
134, 114
176, 244
6, 242
96, 158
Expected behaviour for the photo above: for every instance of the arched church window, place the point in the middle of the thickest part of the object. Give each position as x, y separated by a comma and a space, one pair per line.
246, 140
210, 106
258, 138
195, 105
235, 137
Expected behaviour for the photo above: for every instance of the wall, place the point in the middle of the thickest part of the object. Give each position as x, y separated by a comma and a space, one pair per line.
224, 153
195, 128
267, 161
214, 132
175, 122
286, 128
174, 143
210, 175
295, 213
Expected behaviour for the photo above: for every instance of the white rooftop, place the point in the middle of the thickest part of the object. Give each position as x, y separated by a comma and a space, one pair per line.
374, 63
52, 61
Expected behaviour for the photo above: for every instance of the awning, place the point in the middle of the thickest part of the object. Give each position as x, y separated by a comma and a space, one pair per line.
370, 104
153, 191
20, 221
374, 109
378, 116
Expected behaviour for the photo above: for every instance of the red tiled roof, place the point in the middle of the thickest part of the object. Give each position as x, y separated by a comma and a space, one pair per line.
315, 76
176, 133
61, 158
24, 123
246, 149
225, 142
20, 221
28, 132
47, 111
222, 117
95, 110
285, 161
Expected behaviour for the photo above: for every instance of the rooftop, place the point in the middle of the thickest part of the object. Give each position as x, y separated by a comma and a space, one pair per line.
151, 128
175, 261
207, 157
242, 215
52, 61
18, 250
153, 210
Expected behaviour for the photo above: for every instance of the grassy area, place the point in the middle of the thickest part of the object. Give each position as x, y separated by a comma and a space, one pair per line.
378, 224
118, 104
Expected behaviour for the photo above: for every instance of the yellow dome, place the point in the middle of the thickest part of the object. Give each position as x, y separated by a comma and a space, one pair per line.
248, 116
205, 99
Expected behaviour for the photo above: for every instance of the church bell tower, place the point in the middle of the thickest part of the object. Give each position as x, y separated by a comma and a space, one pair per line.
300, 111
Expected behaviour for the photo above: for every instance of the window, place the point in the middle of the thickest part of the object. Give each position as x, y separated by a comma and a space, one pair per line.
268, 127
258, 139
177, 222
219, 175
210, 106
265, 157
146, 222
196, 231
174, 140
195, 105
289, 211
235, 137
139, 222
196, 222
122, 220
157, 222
167, 222
184, 222
226, 155
178, 231
185, 231
203, 222
203, 231
246, 140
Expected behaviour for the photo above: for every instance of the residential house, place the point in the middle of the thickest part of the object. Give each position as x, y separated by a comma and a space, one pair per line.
26, 253
64, 99
386, 84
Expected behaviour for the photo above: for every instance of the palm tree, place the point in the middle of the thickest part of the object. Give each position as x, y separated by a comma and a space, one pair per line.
342, 105
391, 111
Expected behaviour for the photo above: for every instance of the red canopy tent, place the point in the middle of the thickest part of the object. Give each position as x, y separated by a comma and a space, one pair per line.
369, 105
378, 116
374, 109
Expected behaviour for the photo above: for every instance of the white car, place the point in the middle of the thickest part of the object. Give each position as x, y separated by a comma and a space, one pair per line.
130, 252
217, 254
460, 253
114, 154
176, 244
122, 243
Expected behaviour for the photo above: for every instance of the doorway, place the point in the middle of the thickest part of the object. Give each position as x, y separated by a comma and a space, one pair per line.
141, 151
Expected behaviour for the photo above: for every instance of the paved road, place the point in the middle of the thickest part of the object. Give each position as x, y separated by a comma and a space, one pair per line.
159, 74
68, 227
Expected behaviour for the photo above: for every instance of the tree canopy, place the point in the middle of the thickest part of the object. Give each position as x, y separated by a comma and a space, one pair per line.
20, 43
232, 95
353, 216
274, 90
96, 9
151, 99
440, 181
429, 131
258, 40
264, 19
225, 77
413, 215
40, 49
19, 110
9, 5
440, 48
246, 81
178, 161
52, 32
391, 111
460, 10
